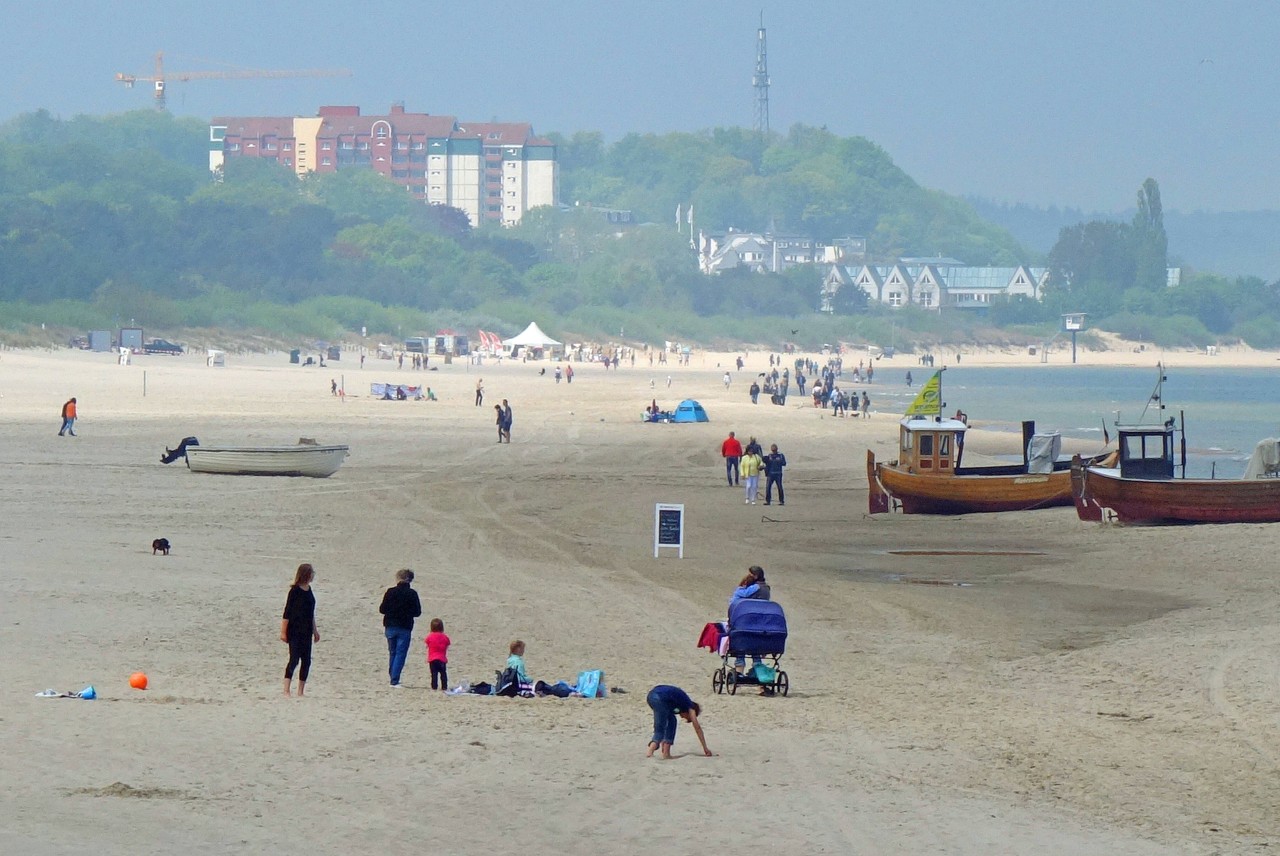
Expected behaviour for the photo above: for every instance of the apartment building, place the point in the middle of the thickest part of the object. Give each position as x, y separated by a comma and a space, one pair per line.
495, 172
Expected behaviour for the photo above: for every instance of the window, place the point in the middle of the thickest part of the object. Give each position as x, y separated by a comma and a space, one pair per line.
511, 207
417, 147
326, 146
348, 146
364, 147
926, 299
271, 147
326, 161
895, 298
402, 146
381, 132
288, 147
233, 147
288, 161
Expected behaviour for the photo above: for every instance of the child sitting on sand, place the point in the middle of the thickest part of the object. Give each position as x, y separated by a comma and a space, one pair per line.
437, 654
516, 661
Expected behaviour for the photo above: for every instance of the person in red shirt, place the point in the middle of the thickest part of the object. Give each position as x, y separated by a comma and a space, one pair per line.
731, 451
438, 654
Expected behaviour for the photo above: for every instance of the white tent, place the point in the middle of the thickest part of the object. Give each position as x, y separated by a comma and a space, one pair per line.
532, 337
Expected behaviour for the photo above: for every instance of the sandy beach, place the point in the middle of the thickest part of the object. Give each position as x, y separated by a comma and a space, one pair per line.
1036, 685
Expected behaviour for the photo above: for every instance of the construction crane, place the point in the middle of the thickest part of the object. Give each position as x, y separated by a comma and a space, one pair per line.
161, 77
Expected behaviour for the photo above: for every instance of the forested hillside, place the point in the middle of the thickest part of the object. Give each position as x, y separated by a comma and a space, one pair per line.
116, 218
120, 212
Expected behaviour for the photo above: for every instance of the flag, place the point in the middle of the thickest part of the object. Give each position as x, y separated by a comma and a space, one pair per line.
927, 401
690, 213
679, 215
1106, 437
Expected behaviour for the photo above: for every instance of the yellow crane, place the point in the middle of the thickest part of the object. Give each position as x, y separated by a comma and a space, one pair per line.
161, 77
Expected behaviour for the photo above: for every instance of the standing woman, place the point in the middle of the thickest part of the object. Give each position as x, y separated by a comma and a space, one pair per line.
298, 627
667, 702
400, 606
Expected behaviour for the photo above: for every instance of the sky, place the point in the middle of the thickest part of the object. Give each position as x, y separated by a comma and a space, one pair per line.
1033, 101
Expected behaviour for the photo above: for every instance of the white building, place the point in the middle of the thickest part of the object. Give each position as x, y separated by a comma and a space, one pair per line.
934, 283
766, 253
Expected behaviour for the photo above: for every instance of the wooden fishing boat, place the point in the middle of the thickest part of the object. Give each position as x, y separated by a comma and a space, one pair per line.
927, 477
304, 459
1140, 486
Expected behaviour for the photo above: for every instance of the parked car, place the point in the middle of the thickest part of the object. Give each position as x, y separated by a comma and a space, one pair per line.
162, 346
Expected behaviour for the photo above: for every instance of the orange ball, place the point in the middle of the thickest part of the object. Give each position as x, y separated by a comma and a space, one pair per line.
138, 680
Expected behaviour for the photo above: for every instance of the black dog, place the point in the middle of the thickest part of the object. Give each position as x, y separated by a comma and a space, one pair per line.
161, 545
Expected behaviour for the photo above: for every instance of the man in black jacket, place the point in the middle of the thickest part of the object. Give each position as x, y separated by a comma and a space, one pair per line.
773, 464
400, 606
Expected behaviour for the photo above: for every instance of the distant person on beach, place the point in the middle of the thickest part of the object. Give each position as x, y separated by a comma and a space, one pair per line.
298, 627
908, 378
866, 405
773, 464
755, 392
506, 420
668, 702
68, 419
400, 606
749, 468
731, 451
500, 421
479, 392
728, 379
438, 654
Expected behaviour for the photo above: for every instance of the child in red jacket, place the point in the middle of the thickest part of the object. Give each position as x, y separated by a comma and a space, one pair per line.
437, 655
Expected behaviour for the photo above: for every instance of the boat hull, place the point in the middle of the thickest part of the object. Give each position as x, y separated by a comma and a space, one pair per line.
308, 461
966, 494
1176, 500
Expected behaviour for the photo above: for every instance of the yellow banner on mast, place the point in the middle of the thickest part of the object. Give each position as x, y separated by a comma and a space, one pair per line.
928, 402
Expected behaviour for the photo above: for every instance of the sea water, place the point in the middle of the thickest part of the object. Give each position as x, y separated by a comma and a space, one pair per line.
1226, 410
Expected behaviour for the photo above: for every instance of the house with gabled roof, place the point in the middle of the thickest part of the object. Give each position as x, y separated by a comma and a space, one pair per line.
934, 283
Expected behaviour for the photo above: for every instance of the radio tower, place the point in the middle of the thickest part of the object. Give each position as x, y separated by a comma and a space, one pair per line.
760, 80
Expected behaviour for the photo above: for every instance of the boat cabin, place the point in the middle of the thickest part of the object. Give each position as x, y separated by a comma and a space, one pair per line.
1146, 451
930, 445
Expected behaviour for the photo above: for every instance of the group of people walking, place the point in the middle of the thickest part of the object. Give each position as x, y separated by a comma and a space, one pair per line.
400, 607
747, 463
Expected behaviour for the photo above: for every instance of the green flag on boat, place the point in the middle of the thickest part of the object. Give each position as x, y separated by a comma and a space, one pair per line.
929, 400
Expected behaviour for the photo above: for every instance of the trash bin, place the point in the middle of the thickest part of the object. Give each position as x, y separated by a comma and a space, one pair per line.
448, 359
335, 352
295, 356
1031, 350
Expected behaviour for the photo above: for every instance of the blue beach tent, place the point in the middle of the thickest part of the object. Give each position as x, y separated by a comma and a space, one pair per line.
690, 411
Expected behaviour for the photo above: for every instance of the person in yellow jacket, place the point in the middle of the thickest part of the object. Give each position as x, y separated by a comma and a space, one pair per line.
749, 468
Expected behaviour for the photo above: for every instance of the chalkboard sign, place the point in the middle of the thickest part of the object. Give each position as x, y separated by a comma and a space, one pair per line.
668, 527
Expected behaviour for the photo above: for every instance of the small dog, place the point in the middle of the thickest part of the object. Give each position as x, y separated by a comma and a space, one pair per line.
160, 545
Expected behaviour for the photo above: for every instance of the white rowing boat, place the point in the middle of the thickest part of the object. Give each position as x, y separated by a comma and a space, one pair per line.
301, 460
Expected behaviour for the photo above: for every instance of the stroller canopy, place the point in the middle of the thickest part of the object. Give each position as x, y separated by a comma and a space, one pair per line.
757, 627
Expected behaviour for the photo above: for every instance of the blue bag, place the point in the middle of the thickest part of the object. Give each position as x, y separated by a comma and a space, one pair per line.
591, 684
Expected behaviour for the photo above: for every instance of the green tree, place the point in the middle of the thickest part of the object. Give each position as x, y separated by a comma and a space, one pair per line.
1151, 246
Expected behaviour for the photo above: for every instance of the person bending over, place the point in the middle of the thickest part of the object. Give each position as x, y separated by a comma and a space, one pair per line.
668, 702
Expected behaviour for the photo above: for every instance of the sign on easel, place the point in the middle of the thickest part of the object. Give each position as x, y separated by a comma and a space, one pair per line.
668, 527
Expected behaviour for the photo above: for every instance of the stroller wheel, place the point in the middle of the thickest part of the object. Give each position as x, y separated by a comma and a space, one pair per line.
731, 681
717, 681
780, 684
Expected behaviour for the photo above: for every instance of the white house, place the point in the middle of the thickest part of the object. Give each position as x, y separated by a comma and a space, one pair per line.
934, 283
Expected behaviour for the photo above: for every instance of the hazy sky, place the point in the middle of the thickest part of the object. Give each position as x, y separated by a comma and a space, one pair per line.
1066, 103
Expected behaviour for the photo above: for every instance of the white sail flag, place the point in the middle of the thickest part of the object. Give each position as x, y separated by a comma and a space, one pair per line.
690, 213
679, 215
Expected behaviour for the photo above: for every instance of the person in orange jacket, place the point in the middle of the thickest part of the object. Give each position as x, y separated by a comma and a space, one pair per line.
68, 419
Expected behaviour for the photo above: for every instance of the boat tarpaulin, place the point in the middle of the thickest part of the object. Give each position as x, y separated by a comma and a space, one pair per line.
1042, 451
1265, 461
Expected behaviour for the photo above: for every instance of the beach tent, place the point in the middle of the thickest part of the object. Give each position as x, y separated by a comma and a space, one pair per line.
690, 411
532, 338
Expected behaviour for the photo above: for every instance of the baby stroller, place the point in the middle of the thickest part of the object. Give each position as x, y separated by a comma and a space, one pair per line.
757, 628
